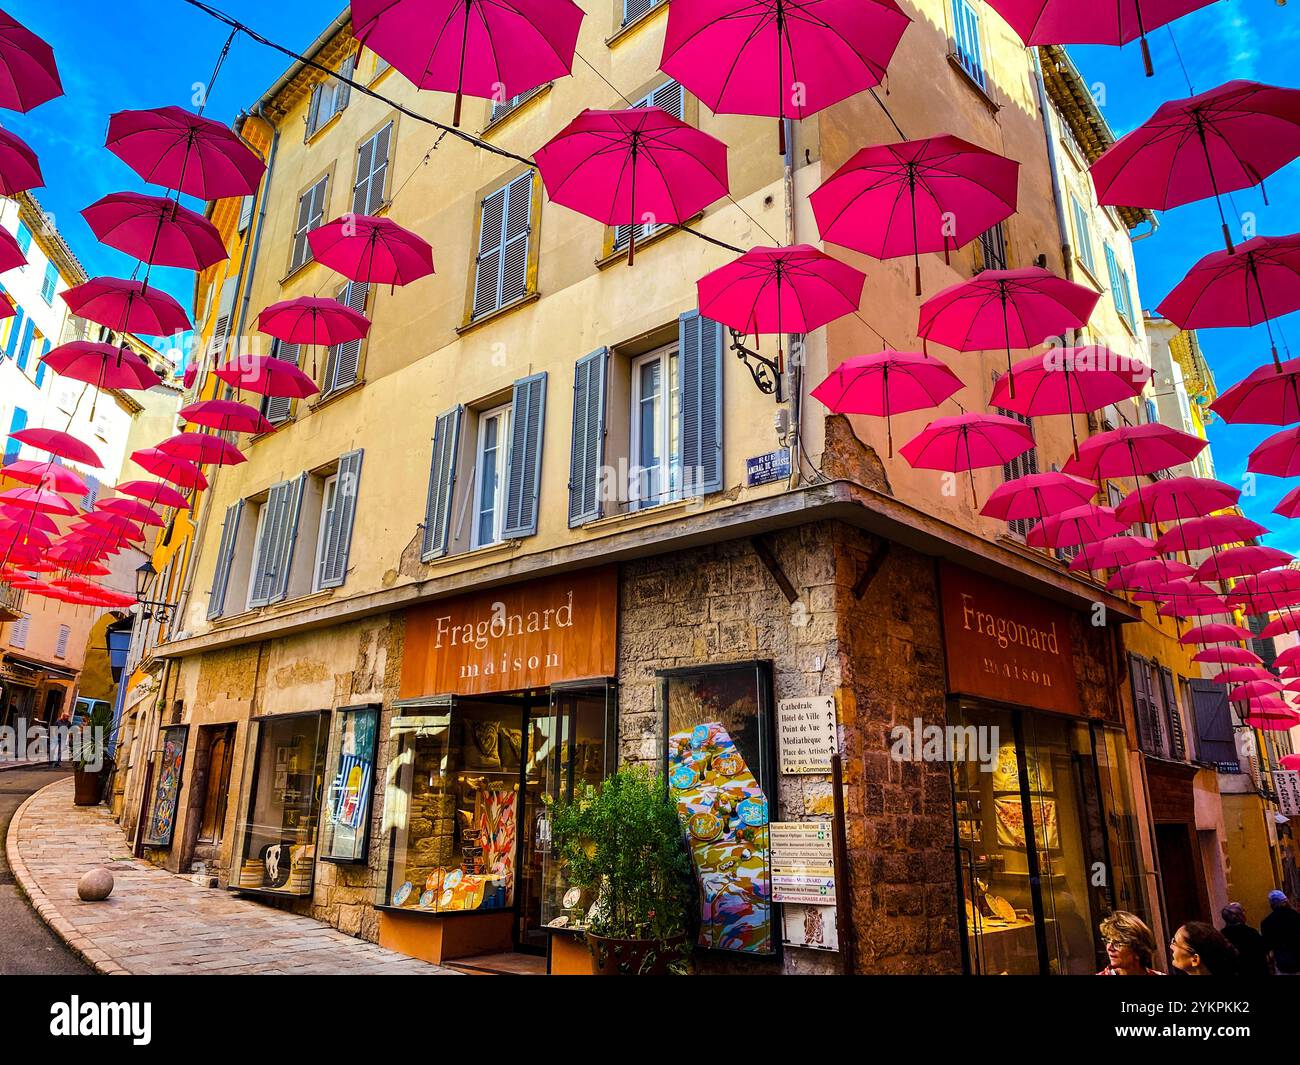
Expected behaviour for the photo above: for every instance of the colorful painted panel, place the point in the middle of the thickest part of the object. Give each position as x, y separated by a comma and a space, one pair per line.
167, 792
348, 806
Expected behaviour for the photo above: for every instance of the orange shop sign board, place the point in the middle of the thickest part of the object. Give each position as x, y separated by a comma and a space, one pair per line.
520, 636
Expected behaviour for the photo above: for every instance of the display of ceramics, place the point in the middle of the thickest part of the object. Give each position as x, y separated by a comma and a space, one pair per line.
453, 877
705, 826
753, 812
403, 893
426, 899
572, 897
433, 882
1002, 907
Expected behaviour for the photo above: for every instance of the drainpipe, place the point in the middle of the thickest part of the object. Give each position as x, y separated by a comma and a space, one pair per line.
1057, 199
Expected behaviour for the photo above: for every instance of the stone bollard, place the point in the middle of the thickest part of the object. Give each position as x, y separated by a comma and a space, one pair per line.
95, 885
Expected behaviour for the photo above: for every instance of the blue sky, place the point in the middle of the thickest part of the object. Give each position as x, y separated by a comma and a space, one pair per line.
117, 54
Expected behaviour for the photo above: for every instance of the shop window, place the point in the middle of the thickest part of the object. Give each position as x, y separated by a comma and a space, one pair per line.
167, 786
276, 832
212, 818
718, 759
345, 836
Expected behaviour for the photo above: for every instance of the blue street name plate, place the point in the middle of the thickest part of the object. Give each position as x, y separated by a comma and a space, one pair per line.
763, 469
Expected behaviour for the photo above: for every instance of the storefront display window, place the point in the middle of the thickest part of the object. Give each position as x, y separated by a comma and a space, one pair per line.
277, 837
345, 836
720, 770
167, 790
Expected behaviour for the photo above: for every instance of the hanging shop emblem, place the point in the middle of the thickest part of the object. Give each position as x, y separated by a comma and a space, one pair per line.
1006, 644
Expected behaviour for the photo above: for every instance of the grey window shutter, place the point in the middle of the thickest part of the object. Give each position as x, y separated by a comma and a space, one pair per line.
276, 546
311, 213
338, 533
277, 409
225, 313
442, 479
372, 171
1177, 742
288, 541
670, 97
487, 286
246, 213
700, 354
313, 111
342, 90
524, 477
587, 450
345, 359
514, 252
225, 555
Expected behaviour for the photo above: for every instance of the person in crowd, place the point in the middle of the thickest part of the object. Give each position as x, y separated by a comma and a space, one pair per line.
1252, 955
1281, 932
1130, 946
1200, 949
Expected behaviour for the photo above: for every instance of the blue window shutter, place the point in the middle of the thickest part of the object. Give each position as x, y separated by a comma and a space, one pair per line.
1116, 292
338, 537
225, 556
442, 479
701, 369
587, 451
15, 331
524, 477
40, 366
17, 423
25, 345
24, 238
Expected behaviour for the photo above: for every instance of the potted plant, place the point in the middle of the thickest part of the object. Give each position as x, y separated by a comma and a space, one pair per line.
622, 844
88, 784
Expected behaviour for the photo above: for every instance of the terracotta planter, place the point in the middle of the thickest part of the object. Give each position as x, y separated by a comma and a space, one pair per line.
633, 957
87, 787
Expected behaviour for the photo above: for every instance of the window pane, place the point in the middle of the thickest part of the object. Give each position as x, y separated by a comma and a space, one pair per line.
347, 804
489, 478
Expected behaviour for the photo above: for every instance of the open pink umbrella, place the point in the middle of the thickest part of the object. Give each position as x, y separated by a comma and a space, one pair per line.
1069, 381
489, 48
968, 442
1256, 283
1267, 396
1112, 552
20, 170
178, 149
1185, 599
1270, 582
1227, 655
11, 256
132, 510
780, 290
635, 166
48, 475
313, 320
1212, 531
30, 518
1289, 761
1285, 621
28, 73
374, 250
178, 471
1133, 450
1177, 498
925, 195
153, 493
1279, 455
226, 416
57, 442
156, 230
1075, 527
1069, 22
1006, 309
101, 365
783, 58
1240, 562
201, 449
127, 306
1253, 689
267, 376
885, 384
1289, 505
1214, 632
1036, 495
38, 500
1210, 144
1280, 722
1241, 675
1147, 575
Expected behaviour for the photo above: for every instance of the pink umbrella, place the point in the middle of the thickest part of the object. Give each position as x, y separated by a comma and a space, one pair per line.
1289, 761
1289, 505
1286, 621
177, 149
489, 48
38, 500
1112, 552
1188, 599
101, 365
132, 510
1281, 722
1069, 381
201, 449
1214, 632
28, 74
1069, 22
1288, 656
1176, 498
1132, 450
1035, 495
1007, 309
780, 290
1241, 561
226, 416
267, 376
1268, 396
1216, 142
11, 256
178, 471
1253, 689
127, 306
155, 230
30, 518
48, 475
1270, 582
1279, 455
968, 442
780, 57
313, 320
1212, 531
374, 250
1256, 283
57, 442
1241, 675
20, 170
889, 383
633, 166
154, 494
1227, 655
1074, 527
918, 196
1147, 575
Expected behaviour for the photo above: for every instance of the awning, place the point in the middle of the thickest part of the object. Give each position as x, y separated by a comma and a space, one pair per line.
53, 672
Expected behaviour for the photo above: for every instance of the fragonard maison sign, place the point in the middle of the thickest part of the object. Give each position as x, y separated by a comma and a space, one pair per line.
1006, 644
520, 636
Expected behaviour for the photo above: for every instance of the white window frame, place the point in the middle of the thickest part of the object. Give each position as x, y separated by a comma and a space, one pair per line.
328, 501
501, 467
669, 466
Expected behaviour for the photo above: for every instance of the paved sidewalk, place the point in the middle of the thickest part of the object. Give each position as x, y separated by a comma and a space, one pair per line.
156, 923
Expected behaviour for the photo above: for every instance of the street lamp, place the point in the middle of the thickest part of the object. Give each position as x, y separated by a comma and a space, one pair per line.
144, 578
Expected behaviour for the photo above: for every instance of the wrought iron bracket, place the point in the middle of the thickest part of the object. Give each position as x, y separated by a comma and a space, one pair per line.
765, 372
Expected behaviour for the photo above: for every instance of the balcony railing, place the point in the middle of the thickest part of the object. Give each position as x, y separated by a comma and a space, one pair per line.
11, 602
